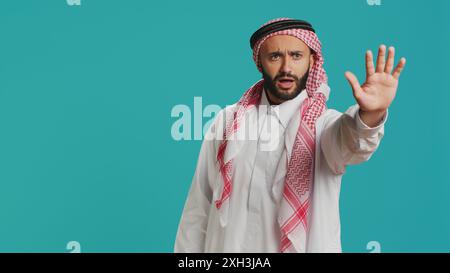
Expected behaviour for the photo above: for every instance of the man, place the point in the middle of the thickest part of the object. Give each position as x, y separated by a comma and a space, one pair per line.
279, 191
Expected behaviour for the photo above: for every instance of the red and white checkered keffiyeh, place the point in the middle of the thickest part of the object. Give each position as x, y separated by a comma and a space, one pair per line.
293, 216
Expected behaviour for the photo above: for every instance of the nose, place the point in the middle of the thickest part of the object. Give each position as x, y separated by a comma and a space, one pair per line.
286, 66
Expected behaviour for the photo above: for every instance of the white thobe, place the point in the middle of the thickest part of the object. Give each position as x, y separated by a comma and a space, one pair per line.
258, 179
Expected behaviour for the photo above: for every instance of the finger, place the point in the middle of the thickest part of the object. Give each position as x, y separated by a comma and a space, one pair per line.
357, 91
381, 59
390, 60
398, 70
370, 68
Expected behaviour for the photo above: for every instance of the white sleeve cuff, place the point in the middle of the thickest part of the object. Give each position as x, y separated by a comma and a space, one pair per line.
360, 125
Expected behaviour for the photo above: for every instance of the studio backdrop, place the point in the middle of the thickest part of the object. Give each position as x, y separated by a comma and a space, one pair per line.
104, 105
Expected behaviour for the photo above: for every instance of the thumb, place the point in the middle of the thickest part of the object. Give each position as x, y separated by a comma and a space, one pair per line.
354, 83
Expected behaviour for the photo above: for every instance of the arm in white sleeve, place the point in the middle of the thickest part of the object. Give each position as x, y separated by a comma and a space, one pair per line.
192, 227
194, 220
346, 140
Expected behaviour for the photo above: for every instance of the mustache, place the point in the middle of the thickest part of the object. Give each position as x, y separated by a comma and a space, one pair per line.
285, 75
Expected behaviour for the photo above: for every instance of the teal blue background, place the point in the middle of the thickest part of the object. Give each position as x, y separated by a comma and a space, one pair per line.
86, 92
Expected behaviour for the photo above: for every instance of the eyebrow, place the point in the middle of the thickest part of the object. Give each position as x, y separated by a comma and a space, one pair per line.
278, 52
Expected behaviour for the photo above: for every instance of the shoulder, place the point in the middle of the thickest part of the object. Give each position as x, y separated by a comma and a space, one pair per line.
215, 131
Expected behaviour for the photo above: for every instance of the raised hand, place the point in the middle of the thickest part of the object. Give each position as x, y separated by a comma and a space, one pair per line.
380, 87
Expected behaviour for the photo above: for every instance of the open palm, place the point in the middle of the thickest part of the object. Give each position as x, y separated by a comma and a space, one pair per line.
380, 87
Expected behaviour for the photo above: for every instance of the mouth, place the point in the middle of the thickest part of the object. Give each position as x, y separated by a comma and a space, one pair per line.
285, 83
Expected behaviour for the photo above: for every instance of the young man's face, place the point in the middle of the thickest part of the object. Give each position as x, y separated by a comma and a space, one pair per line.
285, 62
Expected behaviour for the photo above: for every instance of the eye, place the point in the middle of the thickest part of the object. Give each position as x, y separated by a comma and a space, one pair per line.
296, 56
274, 57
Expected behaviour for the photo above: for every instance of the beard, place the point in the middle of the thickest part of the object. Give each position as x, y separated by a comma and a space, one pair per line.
270, 86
